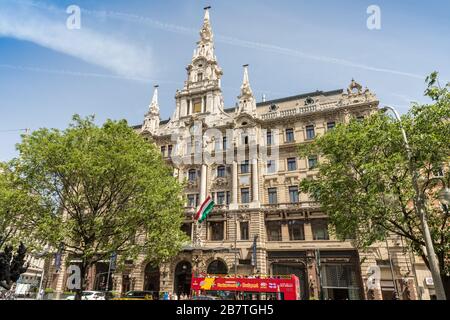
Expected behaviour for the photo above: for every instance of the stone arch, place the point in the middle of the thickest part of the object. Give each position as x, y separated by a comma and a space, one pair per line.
151, 277
182, 277
217, 266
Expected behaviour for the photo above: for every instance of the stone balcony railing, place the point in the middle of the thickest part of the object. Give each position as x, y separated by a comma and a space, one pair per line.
289, 112
296, 205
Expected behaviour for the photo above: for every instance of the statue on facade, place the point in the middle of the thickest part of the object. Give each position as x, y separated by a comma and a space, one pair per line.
11, 267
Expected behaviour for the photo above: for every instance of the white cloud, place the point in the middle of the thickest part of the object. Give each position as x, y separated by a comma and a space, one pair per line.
50, 31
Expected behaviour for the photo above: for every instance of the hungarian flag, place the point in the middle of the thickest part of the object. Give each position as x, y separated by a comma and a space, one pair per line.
204, 210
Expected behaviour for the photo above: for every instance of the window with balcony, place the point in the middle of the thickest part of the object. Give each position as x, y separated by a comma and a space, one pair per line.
310, 132
290, 135
245, 167
221, 198
216, 230
312, 162
320, 230
296, 230
272, 192
292, 164
271, 166
273, 230
221, 171
293, 194
331, 125
245, 195
192, 175
244, 230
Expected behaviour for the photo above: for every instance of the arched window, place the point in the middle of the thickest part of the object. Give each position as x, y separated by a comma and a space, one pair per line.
217, 267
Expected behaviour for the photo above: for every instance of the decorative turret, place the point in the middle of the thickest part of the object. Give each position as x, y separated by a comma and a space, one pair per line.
152, 119
247, 102
201, 93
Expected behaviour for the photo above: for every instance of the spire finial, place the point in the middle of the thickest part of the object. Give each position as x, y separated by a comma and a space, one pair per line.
245, 80
207, 12
154, 105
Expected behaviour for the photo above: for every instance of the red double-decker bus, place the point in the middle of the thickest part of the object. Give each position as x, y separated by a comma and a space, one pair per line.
247, 288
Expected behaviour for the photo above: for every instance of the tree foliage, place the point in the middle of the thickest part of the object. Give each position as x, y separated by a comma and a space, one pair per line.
19, 211
102, 190
365, 185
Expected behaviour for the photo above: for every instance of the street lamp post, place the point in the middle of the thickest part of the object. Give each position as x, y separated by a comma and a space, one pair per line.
419, 206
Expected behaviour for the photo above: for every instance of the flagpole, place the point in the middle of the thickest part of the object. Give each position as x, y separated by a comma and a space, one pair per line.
235, 244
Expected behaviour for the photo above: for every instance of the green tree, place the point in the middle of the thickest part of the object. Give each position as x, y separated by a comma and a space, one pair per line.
364, 183
103, 190
19, 211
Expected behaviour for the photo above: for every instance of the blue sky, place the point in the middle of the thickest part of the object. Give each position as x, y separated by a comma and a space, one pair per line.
108, 67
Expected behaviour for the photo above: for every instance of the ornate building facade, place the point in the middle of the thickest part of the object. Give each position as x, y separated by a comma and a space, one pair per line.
261, 224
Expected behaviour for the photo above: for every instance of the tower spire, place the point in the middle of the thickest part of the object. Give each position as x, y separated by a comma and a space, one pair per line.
154, 106
247, 102
151, 121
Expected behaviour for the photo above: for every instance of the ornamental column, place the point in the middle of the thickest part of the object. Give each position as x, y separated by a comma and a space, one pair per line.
234, 196
255, 185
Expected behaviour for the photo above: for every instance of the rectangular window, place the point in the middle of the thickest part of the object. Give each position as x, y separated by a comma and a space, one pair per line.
293, 194
245, 139
245, 168
192, 175
360, 118
296, 230
220, 198
224, 143
320, 230
163, 151
228, 197
197, 106
273, 230
292, 164
269, 138
169, 151
245, 195
273, 199
290, 135
221, 171
331, 125
312, 162
244, 230
216, 229
271, 168
310, 133
191, 200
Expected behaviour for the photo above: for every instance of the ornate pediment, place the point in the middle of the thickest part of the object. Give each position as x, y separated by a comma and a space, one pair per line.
220, 183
